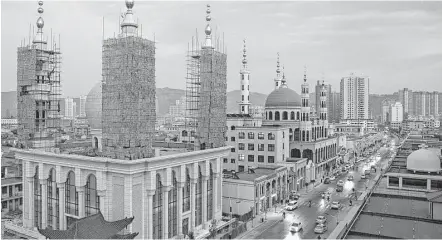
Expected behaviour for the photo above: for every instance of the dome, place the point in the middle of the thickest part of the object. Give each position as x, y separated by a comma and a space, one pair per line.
423, 160
283, 97
94, 107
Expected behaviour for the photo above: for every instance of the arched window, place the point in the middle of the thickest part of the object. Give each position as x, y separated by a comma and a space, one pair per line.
199, 199
186, 193
270, 115
157, 213
303, 135
53, 202
173, 210
297, 115
71, 204
292, 116
307, 137
92, 199
277, 118
95, 142
37, 200
210, 195
285, 116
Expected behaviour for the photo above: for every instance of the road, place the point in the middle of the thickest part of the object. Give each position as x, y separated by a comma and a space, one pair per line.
307, 215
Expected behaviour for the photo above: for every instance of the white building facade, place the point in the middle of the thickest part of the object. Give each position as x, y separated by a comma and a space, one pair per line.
355, 97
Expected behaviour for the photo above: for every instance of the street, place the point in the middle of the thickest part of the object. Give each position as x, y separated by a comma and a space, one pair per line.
307, 215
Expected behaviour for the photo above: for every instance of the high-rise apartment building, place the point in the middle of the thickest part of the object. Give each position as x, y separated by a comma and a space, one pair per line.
82, 109
396, 113
69, 108
334, 107
419, 101
433, 103
406, 98
354, 97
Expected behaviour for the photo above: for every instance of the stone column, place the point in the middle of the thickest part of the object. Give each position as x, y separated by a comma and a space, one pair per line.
62, 199
400, 182
428, 184
103, 203
215, 194
44, 203
204, 198
166, 190
30, 201
150, 194
192, 203
180, 208
81, 201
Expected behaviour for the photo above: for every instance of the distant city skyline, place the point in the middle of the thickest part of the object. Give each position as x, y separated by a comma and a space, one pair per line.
396, 44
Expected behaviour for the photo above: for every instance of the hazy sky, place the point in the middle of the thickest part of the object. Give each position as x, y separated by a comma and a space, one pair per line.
397, 44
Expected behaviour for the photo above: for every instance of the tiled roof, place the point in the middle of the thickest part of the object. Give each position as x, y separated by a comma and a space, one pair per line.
92, 227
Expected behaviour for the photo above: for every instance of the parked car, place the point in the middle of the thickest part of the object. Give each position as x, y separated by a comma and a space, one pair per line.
350, 178
332, 178
296, 227
335, 205
320, 228
363, 176
327, 181
292, 205
321, 219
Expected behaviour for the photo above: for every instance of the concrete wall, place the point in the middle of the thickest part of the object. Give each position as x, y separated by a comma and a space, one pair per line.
437, 211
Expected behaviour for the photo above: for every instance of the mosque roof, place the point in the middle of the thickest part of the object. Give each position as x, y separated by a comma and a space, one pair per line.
283, 97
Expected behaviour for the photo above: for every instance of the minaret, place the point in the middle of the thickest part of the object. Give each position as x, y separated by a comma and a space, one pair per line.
305, 125
208, 30
323, 109
39, 42
245, 84
278, 78
283, 81
129, 27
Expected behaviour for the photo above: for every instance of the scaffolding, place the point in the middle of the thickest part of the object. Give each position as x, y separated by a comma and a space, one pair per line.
38, 95
206, 94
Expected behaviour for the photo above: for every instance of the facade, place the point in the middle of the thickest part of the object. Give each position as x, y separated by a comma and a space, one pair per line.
318, 88
82, 109
354, 97
256, 190
12, 187
406, 98
396, 113
69, 108
129, 125
334, 107
38, 91
367, 124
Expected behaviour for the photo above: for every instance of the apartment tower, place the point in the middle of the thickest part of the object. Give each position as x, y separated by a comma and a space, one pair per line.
354, 97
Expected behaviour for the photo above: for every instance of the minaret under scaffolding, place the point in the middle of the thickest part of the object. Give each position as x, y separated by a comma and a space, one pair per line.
278, 78
244, 106
212, 91
128, 69
38, 91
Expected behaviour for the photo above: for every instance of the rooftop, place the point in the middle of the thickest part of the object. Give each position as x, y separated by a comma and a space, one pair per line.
256, 174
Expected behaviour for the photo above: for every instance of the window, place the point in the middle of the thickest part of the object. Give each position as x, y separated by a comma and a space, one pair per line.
251, 147
270, 115
232, 139
242, 87
240, 157
260, 158
4, 204
251, 158
241, 146
240, 168
232, 128
232, 160
271, 147
271, 136
4, 190
173, 207
271, 159
224, 160
251, 135
243, 97
186, 193
241, 135
261, 147
261, 135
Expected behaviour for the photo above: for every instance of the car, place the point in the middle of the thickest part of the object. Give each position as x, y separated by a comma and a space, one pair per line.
335, 205
321, 219
292, 205
332, 178
320, 228
296, 227
327, 181
363, 176
296, 196
350, 178
340, 183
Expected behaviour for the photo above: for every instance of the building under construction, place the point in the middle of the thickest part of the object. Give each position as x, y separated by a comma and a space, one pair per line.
128, 93
206, 89
38, 91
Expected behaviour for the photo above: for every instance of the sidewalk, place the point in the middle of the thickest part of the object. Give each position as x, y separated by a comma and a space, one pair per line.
259, 227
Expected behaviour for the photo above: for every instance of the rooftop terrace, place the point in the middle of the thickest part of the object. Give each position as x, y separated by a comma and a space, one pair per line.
256, 174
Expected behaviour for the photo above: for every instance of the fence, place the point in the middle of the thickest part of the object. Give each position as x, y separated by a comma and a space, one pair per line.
235, 232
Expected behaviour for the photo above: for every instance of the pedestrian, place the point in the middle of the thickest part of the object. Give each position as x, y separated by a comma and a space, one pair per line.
319, 236
283, 215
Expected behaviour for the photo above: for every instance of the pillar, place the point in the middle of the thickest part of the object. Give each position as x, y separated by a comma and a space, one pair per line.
103, 202
204, 196
62, 199
215, 194
193, 182
149, 222
81, 201
400, 182
30, 201
428, 184
166, 190
180, 208
44, 203
388, 181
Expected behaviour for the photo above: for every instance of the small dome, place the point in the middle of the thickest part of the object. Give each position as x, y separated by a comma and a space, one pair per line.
423, 160
208, 30
130, 4
40, 10
283, 97
40, 22
94, 107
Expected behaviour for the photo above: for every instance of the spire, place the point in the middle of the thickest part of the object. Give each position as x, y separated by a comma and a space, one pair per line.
129, 26
277, 67
244, 55
40, 24
208, 29
305, 73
